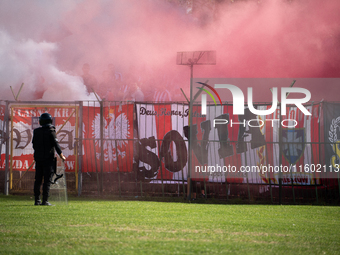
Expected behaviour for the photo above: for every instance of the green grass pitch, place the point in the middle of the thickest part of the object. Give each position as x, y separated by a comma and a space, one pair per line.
86, 226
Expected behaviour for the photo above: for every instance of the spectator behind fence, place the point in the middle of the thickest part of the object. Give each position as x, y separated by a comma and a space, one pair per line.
106, 85
138, 94
111, 86
89, 80
134, 93
114, 76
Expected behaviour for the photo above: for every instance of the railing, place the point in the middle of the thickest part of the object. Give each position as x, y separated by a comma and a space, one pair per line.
131, 149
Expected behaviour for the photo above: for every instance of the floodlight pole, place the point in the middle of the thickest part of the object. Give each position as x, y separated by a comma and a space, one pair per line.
193, 60
6, 139
190, 133
191, 104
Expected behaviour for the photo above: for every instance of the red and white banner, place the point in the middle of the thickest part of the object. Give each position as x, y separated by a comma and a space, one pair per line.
246, 143
158, 143
117, 135
302, 134
162, 147
24, 120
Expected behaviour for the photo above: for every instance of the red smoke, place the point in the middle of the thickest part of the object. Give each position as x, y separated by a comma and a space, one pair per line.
281, 38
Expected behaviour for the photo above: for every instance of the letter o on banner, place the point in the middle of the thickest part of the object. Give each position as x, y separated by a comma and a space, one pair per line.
181, 151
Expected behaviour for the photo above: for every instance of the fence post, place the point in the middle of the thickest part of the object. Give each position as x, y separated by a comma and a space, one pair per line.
183, 185
6, 140
291, 172
161, 166
270, 190
95, 163
268, 175
336, 152
280, 155
245, 161
312, 158
120, 190
101, 145
80, 148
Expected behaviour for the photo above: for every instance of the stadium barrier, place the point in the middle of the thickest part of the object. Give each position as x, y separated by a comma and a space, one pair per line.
141, 149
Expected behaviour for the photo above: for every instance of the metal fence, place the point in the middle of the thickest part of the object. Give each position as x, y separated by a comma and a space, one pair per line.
131, 149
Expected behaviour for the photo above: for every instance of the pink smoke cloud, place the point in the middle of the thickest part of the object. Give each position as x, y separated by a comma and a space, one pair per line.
287, 39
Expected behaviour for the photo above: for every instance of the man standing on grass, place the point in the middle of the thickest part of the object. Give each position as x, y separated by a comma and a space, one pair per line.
45, 143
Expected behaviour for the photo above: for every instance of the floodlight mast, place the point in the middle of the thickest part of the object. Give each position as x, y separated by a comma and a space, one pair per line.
191, 58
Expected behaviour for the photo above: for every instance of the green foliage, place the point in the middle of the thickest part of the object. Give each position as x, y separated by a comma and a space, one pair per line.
143, 227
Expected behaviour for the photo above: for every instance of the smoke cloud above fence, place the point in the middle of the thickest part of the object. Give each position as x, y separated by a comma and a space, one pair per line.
45, 44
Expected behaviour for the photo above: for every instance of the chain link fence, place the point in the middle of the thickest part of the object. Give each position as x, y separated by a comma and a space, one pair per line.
145, 150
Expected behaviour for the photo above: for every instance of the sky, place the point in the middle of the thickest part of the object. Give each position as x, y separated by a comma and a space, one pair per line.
44, 44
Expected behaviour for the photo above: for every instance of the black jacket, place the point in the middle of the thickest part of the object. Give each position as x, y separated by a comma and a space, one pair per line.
45, 143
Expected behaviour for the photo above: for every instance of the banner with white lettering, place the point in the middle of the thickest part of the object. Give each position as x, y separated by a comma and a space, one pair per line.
26, 119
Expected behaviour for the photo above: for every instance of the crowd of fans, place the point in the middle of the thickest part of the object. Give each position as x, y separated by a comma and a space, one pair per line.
113, 86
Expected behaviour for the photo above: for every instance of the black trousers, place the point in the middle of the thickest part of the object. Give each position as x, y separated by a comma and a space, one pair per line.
44, 170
